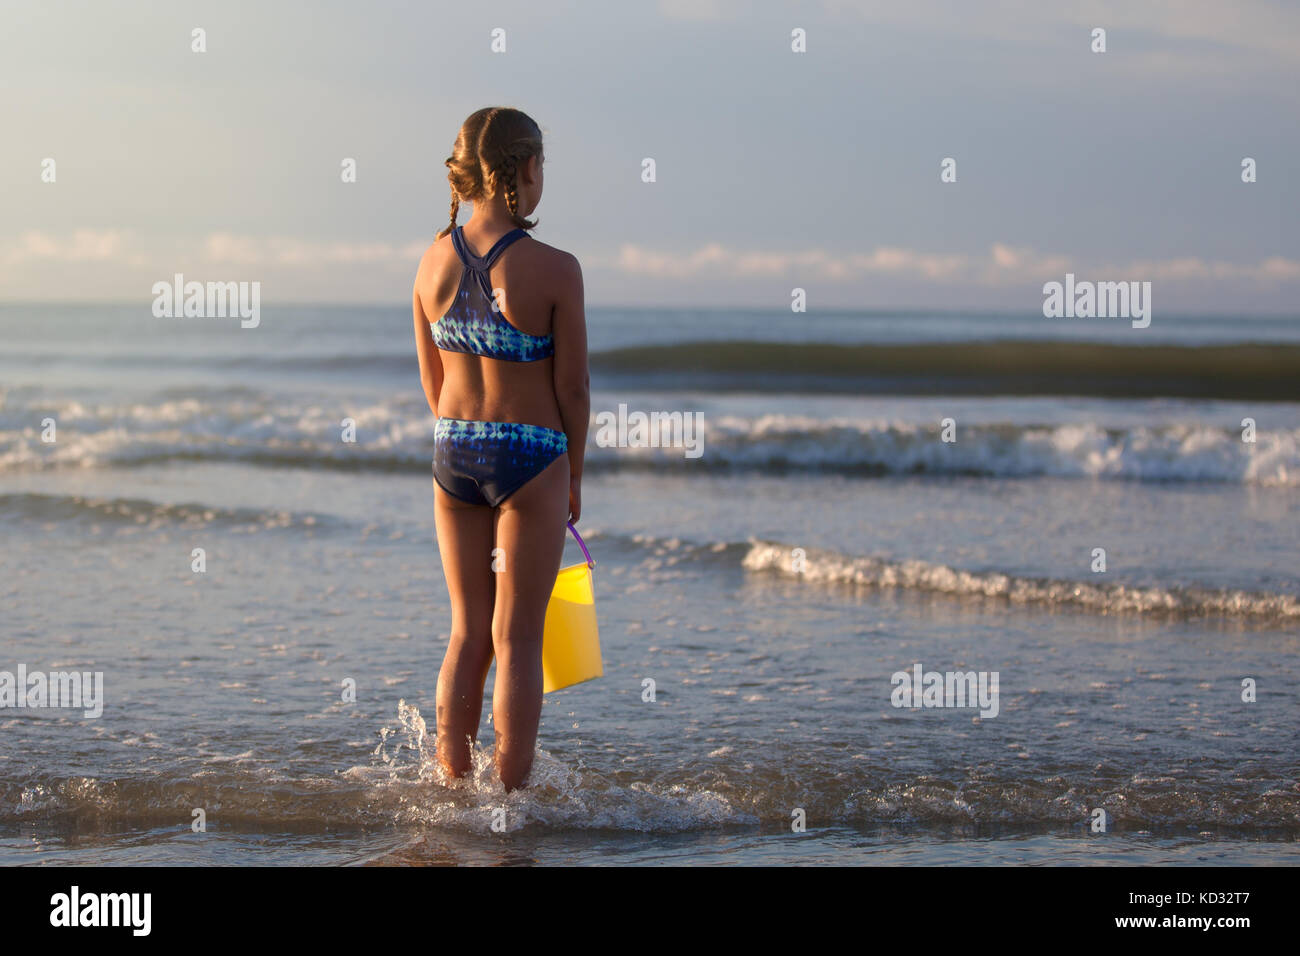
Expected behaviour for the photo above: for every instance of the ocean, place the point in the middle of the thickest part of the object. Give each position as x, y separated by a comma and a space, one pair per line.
1097, 523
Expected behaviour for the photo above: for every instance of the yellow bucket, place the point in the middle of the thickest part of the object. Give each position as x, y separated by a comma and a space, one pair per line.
570, 640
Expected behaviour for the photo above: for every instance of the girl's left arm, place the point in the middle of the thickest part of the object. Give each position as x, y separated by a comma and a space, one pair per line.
430, 360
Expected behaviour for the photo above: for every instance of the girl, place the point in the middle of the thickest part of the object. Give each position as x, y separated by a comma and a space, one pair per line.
502, 341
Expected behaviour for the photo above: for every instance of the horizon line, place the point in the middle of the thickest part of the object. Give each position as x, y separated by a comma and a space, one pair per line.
852, 310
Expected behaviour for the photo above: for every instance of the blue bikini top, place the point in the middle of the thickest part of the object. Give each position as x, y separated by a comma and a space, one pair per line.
472, 325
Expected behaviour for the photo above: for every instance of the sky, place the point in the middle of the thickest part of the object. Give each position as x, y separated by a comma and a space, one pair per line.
775, 169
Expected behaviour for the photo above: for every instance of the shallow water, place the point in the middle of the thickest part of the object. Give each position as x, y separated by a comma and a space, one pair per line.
1119, 691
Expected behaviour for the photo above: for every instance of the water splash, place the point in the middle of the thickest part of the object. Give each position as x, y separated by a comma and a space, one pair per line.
411, 783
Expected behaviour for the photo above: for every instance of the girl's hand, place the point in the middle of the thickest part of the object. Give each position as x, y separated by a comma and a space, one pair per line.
575, 499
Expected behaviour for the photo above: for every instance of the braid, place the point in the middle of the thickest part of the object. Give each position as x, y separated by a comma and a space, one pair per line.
455, 210
507, 175
455, 206
506, 178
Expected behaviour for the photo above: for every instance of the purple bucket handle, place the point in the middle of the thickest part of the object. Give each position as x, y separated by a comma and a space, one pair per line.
582, 544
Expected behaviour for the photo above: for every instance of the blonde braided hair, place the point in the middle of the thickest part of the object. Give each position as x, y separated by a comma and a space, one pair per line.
485, 160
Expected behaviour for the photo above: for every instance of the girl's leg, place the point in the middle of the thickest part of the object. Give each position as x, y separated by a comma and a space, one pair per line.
530, 530
465, 543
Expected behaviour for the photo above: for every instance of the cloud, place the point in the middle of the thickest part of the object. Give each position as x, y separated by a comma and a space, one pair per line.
1002, 265
121, 258
123, 248
82, 245
1274, 268
1249, 26
225, 248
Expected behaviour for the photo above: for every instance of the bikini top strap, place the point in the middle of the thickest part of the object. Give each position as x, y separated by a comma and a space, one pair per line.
483, 263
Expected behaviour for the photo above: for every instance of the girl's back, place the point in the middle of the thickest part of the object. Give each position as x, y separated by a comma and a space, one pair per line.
533, 285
